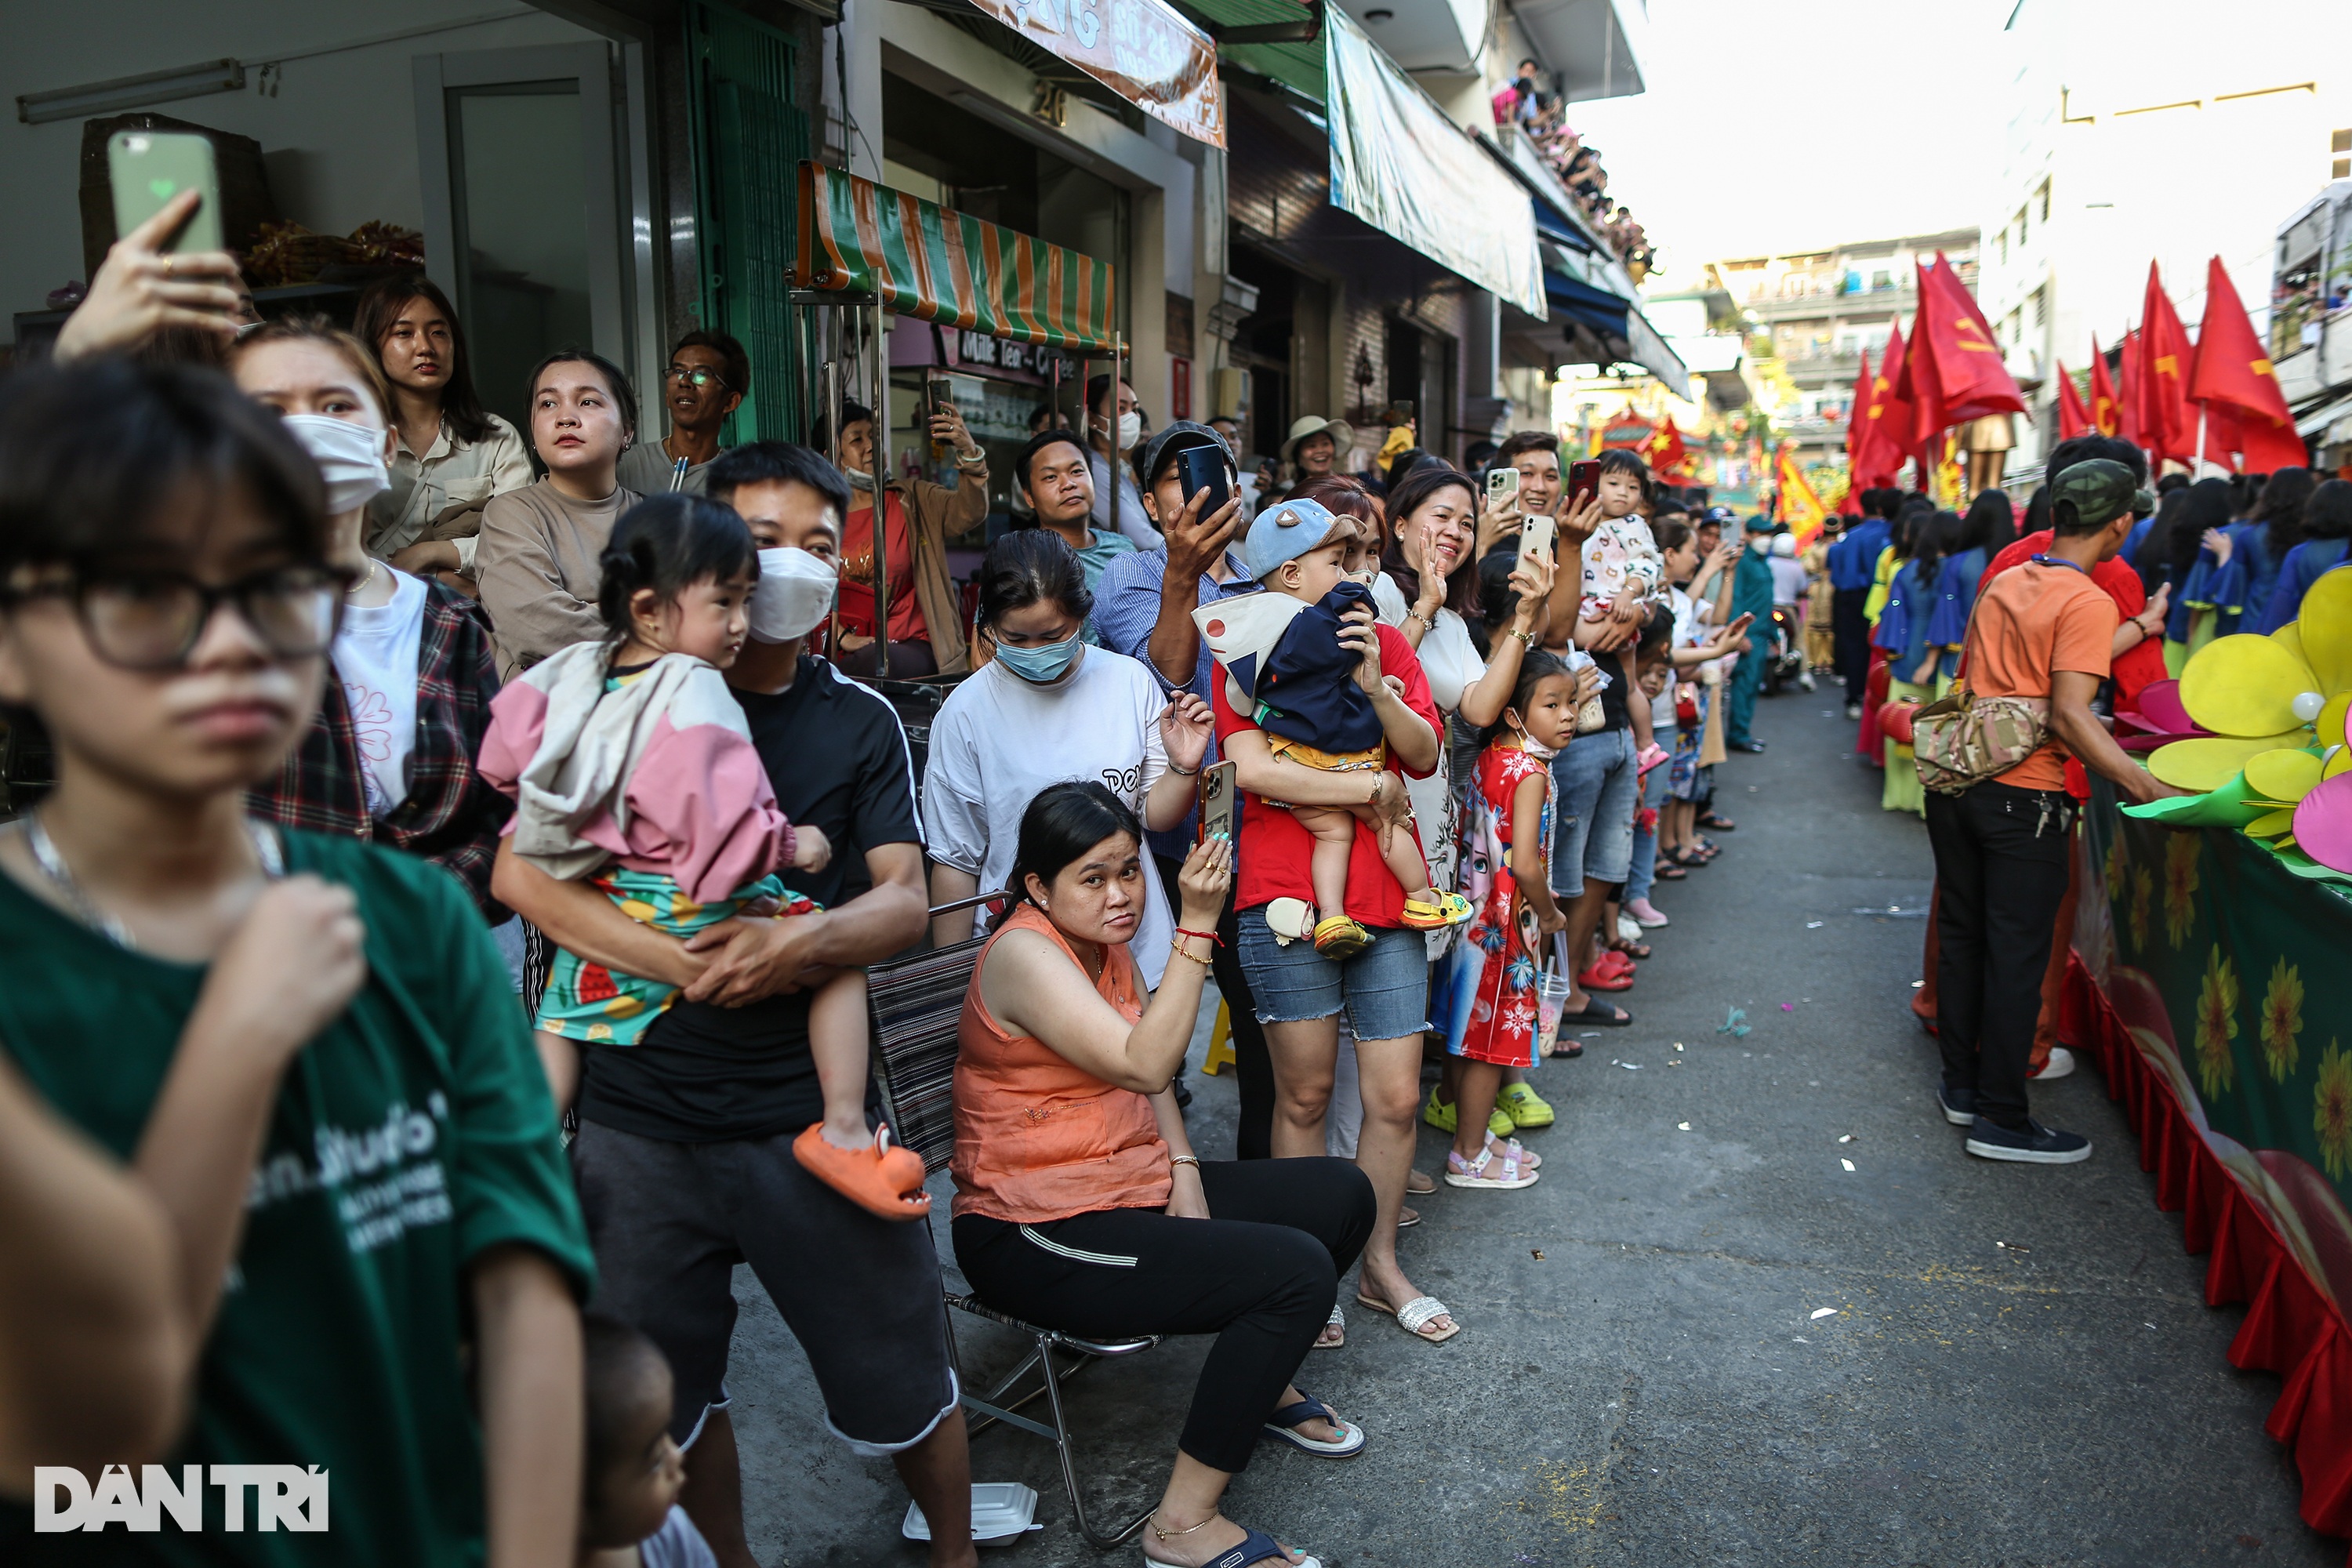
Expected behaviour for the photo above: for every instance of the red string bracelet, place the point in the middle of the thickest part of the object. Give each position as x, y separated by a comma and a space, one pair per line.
1211, 937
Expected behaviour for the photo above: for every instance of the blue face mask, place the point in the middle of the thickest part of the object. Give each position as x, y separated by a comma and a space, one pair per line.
1041, 666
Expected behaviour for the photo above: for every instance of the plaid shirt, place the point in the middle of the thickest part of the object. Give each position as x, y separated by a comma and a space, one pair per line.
451, 817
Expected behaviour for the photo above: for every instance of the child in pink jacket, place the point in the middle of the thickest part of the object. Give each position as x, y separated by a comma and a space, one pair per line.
632, 767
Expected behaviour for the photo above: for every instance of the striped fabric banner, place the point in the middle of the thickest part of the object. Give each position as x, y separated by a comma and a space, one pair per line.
923, 260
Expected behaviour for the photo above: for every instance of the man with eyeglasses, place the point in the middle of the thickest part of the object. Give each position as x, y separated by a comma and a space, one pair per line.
707, 376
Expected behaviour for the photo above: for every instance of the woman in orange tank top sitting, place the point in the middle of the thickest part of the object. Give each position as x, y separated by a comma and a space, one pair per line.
1079, 1205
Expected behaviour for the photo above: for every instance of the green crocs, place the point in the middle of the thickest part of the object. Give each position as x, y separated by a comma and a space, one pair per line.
1524, 1106
1441, 1115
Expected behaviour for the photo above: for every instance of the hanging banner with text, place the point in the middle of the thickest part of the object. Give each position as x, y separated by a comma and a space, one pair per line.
1143, 50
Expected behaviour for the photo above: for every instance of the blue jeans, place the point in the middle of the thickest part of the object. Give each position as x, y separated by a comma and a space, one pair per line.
1643, 875
1384, 988
1592, 836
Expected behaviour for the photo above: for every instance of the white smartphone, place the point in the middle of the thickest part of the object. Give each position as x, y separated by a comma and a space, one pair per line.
1502, 485
1538, 535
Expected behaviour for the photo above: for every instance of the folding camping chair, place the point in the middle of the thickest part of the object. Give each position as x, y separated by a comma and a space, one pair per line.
915, 1003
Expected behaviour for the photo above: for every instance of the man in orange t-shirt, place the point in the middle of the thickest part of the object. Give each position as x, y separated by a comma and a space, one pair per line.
2041, 631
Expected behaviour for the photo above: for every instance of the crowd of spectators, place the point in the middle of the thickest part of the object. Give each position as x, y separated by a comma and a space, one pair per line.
386, 733
1543, 118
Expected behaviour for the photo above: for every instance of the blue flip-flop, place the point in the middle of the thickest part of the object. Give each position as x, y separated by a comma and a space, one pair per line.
1257, 1547
1285, 1423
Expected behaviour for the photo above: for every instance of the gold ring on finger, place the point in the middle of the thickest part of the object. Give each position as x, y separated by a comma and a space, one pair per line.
169, 262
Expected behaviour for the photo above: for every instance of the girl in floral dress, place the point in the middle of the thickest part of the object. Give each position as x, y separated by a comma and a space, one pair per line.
1506, 847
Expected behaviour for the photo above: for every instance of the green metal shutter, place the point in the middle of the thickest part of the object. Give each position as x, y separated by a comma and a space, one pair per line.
749, 136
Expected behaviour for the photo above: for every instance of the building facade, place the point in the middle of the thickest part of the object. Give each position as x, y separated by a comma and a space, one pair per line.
2122, 147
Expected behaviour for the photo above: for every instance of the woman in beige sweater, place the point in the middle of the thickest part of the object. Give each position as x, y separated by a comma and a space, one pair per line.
537, 563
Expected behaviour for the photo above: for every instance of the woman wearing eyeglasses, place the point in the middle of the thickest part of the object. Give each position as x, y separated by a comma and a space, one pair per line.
307, 1048
709, 375
453, 454
390, 753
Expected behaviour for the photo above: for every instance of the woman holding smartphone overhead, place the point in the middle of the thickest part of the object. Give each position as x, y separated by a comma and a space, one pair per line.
453, 454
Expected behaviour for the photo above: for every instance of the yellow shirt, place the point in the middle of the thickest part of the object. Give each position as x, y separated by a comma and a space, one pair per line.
1880, 581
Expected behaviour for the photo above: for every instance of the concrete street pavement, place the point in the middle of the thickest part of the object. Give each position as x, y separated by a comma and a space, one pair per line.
2019, 1368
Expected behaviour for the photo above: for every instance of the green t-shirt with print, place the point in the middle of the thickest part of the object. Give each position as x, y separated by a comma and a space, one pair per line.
412, 1135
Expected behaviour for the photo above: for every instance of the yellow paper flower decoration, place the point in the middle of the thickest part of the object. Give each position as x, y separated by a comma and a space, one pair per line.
2267, 699
2118, 867
2331, 1111
2216, 1025
2142, 891
2281, 1020
2181, 885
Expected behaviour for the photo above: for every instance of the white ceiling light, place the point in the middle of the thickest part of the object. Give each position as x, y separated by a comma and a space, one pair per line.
130, 92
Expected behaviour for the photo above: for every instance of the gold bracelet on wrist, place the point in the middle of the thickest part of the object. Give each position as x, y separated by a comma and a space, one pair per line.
1176, 945
1527, 637
1176, 1160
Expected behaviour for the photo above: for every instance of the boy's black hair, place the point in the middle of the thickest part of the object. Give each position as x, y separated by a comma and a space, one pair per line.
776, 462
90, 453
618, 1361
731, 354
668, 542
615, 382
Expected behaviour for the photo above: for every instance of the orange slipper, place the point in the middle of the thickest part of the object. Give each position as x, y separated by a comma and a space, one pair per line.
882, 1179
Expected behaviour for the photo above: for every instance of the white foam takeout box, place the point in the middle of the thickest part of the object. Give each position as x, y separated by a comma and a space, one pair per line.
1001, 1512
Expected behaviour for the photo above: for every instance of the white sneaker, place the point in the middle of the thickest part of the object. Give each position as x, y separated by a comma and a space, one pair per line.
1628, 927
2061, 1063
1805, 680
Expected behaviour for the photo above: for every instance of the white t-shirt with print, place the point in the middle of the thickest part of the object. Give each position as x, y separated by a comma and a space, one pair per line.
376, 658
999, 740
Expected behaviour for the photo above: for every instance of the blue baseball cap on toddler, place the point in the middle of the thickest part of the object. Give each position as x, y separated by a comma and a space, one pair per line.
1285, 532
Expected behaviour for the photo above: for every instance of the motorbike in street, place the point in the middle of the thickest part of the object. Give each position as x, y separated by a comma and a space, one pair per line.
1785, 663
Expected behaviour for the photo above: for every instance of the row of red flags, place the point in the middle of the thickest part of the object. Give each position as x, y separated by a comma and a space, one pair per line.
1950, 372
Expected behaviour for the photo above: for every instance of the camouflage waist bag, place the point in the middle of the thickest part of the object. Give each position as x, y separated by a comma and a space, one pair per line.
1963, 741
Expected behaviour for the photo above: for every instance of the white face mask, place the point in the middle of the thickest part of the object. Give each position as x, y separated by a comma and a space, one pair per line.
860, 480
349, 459
1130, 431
793, 594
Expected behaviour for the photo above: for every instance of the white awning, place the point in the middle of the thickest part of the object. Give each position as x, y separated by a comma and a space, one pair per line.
1401, 165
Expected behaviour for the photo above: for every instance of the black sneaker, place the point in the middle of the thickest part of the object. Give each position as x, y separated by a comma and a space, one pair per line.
2035, 1144
1959, 1105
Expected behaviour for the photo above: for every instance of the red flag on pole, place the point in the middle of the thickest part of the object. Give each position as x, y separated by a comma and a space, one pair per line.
2127, 391
2234, 380
2107, 409
1857, 421
1665, 448
1954, 373
1886, 433
2073, 419
2168, 426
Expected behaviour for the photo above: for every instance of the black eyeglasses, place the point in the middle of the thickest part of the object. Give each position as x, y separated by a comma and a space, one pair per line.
153, 620
697, 377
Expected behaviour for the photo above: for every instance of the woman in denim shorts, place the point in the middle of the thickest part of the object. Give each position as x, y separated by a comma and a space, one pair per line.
1384, 987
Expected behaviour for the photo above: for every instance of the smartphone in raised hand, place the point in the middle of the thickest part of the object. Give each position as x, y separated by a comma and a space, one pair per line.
148, 168
1502, 487
1203, 467
1219, 798
1538, 537
1584, 482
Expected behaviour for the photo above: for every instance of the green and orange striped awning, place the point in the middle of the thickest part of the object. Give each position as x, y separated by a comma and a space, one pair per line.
921, 260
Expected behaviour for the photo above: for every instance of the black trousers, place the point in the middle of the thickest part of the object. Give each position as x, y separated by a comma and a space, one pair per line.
1252, 1064
1850, 636
2001, 876
1260, 1273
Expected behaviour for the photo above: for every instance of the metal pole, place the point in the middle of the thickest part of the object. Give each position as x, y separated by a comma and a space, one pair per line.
882, 475
830, 373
